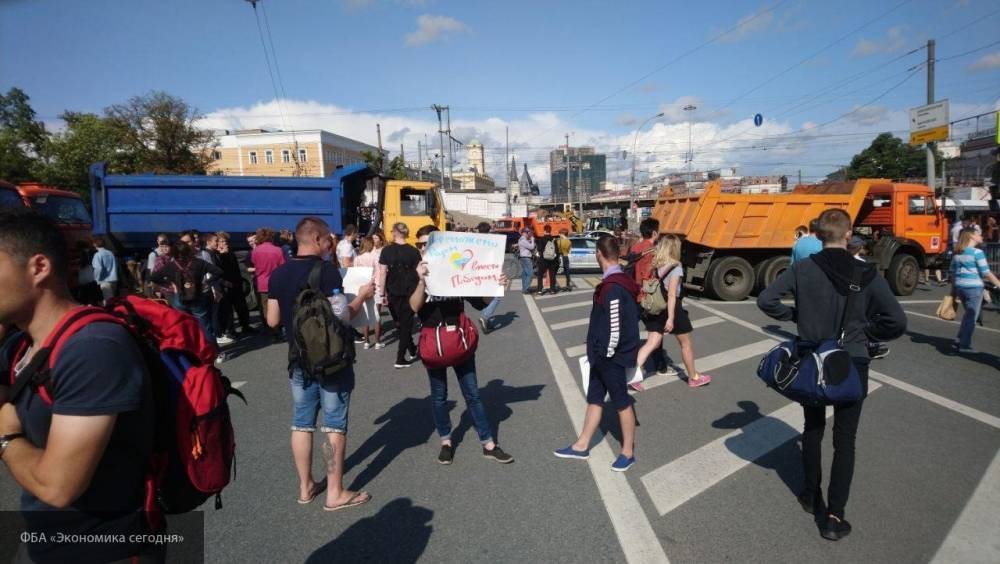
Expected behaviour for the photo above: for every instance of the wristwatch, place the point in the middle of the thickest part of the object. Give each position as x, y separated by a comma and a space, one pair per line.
5, 441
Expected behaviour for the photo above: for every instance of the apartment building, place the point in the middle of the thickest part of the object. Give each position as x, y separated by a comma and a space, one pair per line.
259, 152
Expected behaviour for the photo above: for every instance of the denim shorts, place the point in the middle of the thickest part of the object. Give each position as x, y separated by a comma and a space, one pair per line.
309, 395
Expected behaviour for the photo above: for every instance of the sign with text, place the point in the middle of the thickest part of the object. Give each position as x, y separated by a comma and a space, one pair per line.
929, 123
464, 264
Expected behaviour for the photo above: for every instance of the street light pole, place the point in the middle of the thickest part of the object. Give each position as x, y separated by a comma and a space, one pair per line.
690, 155
634, 140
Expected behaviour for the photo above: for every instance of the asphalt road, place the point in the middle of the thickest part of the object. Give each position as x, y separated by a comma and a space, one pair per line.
717, 471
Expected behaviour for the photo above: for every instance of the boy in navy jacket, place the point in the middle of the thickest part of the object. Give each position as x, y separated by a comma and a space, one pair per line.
612, 347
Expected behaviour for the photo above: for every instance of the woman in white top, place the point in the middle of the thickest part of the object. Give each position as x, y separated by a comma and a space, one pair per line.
369, 258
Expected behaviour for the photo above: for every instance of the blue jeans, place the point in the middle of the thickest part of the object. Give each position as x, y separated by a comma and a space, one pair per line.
309, 395
491, 309
466, 374
202, 311
972, 301
527, 269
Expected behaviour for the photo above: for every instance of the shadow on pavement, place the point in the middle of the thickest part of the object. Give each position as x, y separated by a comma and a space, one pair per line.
786, 459
407, 424
495, 396
399, 532
944, 346
501, 321
778, 331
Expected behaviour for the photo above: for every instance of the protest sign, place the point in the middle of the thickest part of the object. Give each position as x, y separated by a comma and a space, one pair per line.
355, 277
464, 264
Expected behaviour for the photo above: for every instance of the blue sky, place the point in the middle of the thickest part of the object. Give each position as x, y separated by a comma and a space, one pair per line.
538, 67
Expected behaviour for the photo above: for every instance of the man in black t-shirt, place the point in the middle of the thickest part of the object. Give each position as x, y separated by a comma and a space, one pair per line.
401, 262
83, 450
308, 395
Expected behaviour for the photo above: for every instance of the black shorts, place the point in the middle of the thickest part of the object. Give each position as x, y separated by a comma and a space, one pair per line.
657, 323
607, 378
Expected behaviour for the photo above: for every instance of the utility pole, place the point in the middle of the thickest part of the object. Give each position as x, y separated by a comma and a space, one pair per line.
506, 164
437, 108
568, 187
579, 182
402, 156
451, 160
800, 178
381, 158
930, 100
420, 161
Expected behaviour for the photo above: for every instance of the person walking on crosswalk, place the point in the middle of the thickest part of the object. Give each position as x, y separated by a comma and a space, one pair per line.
612, 346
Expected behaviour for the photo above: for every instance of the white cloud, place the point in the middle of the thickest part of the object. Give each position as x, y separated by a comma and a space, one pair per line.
749, 25
867, 115
990, 61
627, 120
895, 40
432, 28
674, 112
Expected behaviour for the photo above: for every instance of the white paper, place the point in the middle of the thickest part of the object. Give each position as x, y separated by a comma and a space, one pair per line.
356, 277
464, 264
585, 376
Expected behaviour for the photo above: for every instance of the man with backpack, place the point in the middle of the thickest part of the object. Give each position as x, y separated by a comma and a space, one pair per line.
612, 346
548, 261
81, 443
189, 274
320, 359
401, 260
828, 278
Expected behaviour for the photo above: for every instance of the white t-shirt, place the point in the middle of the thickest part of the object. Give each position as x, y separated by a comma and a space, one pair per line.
677, 272
345, 249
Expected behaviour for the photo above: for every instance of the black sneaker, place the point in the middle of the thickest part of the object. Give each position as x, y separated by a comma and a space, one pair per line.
835, 529
447, 454
405, 363
498, 455
877, 350
484, 324
542, 292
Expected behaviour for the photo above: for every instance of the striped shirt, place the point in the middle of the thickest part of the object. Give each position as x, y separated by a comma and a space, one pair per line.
969, 267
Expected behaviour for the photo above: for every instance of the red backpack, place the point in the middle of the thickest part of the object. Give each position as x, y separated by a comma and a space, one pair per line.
193, 445
448, 345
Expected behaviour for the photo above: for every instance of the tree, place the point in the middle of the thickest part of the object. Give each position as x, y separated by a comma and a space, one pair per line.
158, 134
397, 168
22, 137
374, 160
87, 139
888, 157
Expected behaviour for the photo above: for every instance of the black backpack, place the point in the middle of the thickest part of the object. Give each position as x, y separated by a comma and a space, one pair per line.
189, 289
321, 344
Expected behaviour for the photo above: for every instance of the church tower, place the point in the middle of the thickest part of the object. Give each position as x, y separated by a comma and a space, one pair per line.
477, 157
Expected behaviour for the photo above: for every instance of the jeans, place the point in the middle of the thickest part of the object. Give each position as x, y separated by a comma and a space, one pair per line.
399, 307
526, 272
972, 301
466, 374
202, 311
565, 267
309, 395
491, 309
845, 429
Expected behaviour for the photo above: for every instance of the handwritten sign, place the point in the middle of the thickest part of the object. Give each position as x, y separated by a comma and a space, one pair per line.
464, 264
355, 277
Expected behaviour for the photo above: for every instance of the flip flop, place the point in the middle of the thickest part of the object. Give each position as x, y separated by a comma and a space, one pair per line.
318, 488
353, 502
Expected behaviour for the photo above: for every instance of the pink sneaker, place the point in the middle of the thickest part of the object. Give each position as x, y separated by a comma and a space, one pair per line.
702, 380
637, 387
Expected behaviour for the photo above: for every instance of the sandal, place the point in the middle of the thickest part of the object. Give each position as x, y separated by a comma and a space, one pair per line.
353, 502
318, 488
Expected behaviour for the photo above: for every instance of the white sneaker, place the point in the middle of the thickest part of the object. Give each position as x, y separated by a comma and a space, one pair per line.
670, 371
379, 345
225, 340
367, 345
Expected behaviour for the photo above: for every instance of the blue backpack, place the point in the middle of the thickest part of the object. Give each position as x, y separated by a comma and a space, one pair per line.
815, 373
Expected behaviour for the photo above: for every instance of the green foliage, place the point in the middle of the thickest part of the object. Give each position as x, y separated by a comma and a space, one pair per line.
22, 137
888, 157
374, 160
397, 168
158, 134
87, 139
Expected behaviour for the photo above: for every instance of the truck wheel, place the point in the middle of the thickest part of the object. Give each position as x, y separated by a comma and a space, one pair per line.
903, 274
769, 270
730, 279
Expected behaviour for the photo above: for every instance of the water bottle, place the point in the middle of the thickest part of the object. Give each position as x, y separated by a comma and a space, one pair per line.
338, 302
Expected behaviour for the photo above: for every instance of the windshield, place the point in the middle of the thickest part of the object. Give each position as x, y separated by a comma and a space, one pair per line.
10, 199
62, 209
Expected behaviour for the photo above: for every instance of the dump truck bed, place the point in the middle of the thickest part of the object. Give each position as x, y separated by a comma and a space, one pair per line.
722, 220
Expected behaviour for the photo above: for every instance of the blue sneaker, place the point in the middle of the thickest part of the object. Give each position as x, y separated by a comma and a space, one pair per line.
568, 452
622, 463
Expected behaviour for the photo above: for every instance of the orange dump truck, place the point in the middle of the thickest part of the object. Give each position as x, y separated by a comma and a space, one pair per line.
516, 224
735, 244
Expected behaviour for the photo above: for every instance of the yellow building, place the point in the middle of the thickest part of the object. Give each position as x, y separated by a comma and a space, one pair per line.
258, 152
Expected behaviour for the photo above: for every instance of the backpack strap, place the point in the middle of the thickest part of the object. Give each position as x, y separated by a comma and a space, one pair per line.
853, 290
315, 274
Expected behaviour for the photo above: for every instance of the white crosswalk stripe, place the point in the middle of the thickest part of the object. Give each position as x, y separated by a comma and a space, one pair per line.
569, 324
574, 305
239, 384
676, 482
580, 350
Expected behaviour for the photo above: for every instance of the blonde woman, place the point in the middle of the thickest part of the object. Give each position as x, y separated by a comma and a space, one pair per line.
369, 258
968, 270
667, 266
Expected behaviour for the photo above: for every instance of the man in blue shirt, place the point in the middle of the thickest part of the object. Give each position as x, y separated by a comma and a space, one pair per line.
105, 269
808, 244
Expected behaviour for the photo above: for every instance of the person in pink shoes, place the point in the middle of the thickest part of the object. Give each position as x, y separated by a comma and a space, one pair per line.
675, 320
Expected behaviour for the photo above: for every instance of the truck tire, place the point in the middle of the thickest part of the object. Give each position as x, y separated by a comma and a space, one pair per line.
729, 279
769, 270
903, 274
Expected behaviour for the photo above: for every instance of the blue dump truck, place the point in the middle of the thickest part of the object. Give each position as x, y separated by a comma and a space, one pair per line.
131, 209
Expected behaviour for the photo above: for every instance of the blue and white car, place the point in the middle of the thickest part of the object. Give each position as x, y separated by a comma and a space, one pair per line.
583, 254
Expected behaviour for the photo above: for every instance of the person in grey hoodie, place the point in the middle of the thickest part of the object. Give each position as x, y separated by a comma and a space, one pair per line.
525, 252
826, 278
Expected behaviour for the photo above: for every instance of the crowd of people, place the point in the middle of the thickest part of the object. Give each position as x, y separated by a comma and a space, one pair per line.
59, 452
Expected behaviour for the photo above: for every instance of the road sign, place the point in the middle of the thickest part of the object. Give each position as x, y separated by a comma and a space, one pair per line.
758, 120
929, 123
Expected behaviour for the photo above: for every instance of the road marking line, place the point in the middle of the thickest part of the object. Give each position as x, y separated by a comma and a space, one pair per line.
910, 388
936, 318
684, 478
788, 302
580, 350
573, 305
973, 537
714, 361
944, 402
568, 324
239, 384
574, 293
635, 534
